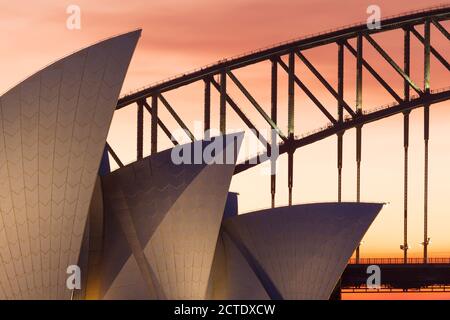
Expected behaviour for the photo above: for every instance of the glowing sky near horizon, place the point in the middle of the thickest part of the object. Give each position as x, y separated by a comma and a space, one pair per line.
179, 36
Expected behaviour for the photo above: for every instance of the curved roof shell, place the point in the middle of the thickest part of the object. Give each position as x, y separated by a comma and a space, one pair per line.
295, 252
53, 129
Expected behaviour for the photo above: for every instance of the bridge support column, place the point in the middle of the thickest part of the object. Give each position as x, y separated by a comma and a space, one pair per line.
406, 96
359, 79
339, 165
359, 73
154, 126
426, 239
223, 101
207, 110
358, 175
274, 106
405, 183
291, 116
291, 94
140, 130
340, 92
290, 174
358, 162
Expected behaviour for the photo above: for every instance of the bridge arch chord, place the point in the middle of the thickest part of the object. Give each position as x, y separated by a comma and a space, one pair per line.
407, 20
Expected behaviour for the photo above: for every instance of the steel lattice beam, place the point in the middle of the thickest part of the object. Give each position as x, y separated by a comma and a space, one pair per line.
308, 93
256, 105
441, 28
325, 82
114, 155
432, 49
161, 124
242, 115
392, 63
176, 117
374, 73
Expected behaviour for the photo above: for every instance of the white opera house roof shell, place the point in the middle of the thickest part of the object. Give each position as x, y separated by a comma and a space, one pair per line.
162, 224
293, 252
53, 129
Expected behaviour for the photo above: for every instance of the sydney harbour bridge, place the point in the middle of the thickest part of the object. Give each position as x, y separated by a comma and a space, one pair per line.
426, 273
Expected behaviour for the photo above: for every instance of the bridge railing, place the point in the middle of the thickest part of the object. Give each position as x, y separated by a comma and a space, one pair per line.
399, 261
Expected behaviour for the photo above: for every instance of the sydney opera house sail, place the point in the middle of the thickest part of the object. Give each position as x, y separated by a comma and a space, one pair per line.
53, 128
162, 222
295, 252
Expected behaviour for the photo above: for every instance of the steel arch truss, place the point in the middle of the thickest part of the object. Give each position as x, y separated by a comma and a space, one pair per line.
286, 56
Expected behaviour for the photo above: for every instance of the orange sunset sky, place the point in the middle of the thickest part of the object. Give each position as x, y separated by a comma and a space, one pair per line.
181, 35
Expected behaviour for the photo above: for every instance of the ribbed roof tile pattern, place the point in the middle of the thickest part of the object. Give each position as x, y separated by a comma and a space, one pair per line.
53, 128
169, 216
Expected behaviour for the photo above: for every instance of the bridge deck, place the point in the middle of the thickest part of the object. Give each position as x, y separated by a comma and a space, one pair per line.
397, 276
